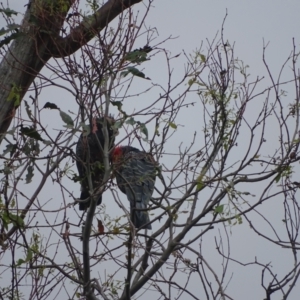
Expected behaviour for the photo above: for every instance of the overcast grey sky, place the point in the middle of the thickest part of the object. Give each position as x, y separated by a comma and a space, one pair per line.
249, 25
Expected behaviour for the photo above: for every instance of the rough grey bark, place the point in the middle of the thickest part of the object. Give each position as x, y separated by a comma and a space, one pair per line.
29, 53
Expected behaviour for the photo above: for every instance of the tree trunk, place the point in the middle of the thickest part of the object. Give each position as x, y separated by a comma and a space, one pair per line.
29, 52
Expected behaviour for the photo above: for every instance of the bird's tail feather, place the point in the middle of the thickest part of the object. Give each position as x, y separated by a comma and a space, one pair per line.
141, 217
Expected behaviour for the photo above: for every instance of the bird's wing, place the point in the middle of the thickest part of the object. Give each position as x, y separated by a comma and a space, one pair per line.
87, 144
139, 172
81, 153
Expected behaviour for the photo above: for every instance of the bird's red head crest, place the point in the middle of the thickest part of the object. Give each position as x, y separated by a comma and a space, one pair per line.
117, 153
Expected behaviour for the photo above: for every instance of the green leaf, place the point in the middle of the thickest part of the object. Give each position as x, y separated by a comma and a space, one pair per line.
12, 203
20, 262
246, 193
6, 170
13, 26
118, 125
277, 178
9, 38
47, 142
31, 132
118, 104
219, 209
296, 141
11, 148
134, 72
203, 58
116, 230
136, 56
15, 219
35, 147
27, 259
9, 12
3, 31
15, 95
50, 105
29, 174
200, 185
32, 147
10, 27
172, 125
130, 121
12, 131
191, 81
144, 129
67, 119
5, 220
29, 255
239, 219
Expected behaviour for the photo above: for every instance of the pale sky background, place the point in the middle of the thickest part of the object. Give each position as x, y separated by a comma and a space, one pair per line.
249, 24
